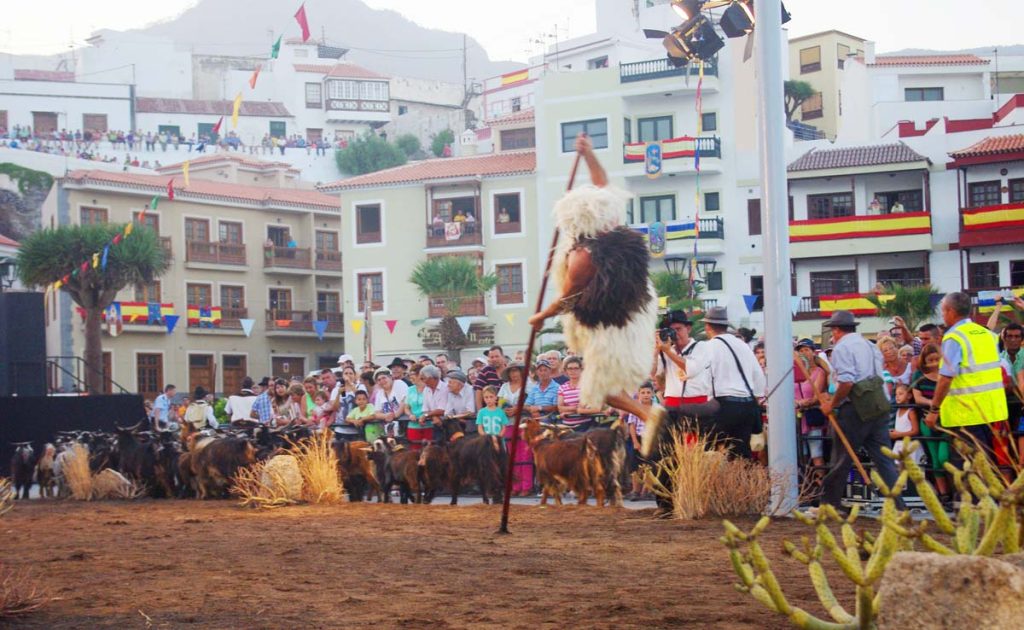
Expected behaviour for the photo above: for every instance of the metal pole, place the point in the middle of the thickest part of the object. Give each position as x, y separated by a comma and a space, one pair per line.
775, 227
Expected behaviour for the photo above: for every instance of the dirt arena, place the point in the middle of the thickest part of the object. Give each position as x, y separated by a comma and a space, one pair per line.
169, 564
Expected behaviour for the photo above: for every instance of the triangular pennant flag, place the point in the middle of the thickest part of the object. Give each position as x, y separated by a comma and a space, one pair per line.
95, 260
117, 239
171, 321
152, 206
464, 323
794, 304
216, 128
252, 79
235, 109
391, 323
418, 322
300, 17
170, 189
74, 274
66, 279
275, 50
663, 302
128, 229
357, 326
184, 172
57, 285
320, 327
103, 261
510, 318
750, 301
247, 325
84, 267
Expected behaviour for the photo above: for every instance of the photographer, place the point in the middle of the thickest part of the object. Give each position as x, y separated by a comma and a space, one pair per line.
683, 362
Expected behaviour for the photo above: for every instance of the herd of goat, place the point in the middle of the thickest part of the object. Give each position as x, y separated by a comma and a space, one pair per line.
168, 464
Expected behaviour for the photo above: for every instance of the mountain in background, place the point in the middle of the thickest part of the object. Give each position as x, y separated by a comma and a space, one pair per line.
1013, 50
381, 40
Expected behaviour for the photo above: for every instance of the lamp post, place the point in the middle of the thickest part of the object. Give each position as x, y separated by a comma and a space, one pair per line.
8, 272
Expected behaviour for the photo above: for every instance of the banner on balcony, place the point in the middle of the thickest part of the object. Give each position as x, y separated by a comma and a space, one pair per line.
139, 312
514, 77
247, 325
987, 299
391, 323
860, 226
114, 319
993, 217
204, 317
684, 146
675, 231
652, 160
320, 327
853, 302
452, 231
170, 321
464, 323
656, 239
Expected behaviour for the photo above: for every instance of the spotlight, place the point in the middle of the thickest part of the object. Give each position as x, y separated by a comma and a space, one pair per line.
737, 20
686, 9
694, 39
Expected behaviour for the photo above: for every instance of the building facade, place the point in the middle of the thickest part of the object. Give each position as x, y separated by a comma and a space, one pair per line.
821, 59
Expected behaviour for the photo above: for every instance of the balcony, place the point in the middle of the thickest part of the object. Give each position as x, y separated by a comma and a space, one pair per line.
454, 234
470, 307
661, 68
861, 234
335, 322
287, 259
984, 300
328, 260
210, 320
678, 234
822, 306
992, 225
280, 321
142, 317
230, 317
672, 150
219, 255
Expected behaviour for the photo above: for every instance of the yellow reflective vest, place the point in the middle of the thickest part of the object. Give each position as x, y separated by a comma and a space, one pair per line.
976, 395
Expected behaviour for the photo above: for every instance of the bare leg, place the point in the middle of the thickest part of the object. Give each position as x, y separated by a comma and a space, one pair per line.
653, 417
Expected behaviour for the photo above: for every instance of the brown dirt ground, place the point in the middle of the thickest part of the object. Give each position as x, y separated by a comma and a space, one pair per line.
213, 564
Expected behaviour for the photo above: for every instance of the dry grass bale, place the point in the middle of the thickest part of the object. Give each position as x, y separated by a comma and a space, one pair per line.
77, 475
6, 496
19, 593
281, 473
318, 464
249, 487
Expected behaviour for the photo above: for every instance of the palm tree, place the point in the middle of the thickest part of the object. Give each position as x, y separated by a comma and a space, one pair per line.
452, 279
796, 92
914, 304
48, 255
676, 287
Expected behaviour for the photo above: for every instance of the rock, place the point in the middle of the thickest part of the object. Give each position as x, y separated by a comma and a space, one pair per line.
928, 590
281, 475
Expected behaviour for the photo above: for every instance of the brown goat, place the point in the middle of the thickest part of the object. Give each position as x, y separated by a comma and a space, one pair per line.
357, 470
566, 464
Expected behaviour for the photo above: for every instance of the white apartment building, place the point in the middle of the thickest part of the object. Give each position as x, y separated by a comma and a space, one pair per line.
50, 100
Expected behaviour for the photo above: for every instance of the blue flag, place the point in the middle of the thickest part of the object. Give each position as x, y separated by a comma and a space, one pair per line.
171, 321
750, 301
320, 326
103, 262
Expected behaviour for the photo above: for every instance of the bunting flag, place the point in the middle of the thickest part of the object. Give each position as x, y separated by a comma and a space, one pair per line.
128, 229
152, 204
252, 79
117, 239
184, 172
170, 189
357, 326
510, 318
300, 17
171, 321
85, 266
391, 323
216, 128
57, 285
247, 325
275, 50
74, 274
418, 322
794, 304
750, 301
103, 261
320, 327
663, 302
237, 107
464, 323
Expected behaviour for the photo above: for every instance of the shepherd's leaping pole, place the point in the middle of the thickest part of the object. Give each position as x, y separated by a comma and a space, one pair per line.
513, 445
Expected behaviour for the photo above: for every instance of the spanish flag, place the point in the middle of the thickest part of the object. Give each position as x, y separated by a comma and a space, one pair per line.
515, 77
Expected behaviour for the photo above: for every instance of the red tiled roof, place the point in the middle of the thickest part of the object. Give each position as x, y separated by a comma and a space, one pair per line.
852, 157
514, 118
8, 242
311, 67
203, 189
352, 71
993, 145
492, 165
44, 75
149, 105
930, 60
229, 157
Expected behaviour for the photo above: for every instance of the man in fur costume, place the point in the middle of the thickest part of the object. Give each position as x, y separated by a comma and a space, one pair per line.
607, 302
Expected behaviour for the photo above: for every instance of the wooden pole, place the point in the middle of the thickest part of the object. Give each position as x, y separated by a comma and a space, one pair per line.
514, 443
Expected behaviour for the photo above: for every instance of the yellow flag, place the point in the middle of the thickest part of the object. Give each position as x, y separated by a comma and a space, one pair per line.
184, 171
57, 285
510, 318
95, 260
357, 326
128, 229
235, 110
663, 302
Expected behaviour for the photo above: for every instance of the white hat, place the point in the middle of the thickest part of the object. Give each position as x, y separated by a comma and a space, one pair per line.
480, 359
345, 358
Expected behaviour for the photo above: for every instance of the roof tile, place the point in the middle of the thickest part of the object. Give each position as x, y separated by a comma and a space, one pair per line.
8, 242
930, 60
44, 75
150, 105
992, 145
262, 165
852, 157
493, 165
525, 115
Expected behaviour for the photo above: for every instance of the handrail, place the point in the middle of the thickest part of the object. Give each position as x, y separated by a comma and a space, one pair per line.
80, 363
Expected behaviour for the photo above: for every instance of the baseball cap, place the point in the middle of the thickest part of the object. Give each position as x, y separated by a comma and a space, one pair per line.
345, 358
479, 360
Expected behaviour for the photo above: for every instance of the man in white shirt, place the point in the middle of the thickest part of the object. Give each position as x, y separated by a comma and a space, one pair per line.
684, 363
737, 383
435, 396
239, 406
461, 401
162, 408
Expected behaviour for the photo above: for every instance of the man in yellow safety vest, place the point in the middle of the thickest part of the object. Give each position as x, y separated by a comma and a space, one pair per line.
969, 396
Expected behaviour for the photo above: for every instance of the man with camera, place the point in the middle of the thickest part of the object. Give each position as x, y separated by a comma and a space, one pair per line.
682, 361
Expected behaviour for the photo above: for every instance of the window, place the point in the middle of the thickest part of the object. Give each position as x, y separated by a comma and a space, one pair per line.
627, 131
373, 91
326, 241
230, 232
923, 94
232, 298
345, 90
757, 288
1016, 191
630, 219
148, 292
517, 104
908, 277
830, 205
508, 216
842, 52
754, 217
368, 224
280, 303
1016, 273
833, 282
279, 235
376, 281
518, 139
911, 200
94, 122
811, 108
654, 129
510, 283
150, 220
712, 202
709, 121
199, 295
713, 281
983, 275
170, 130
810, 59
3, 119
149, 374
660, 208
597, 63
205, 130
94, 216
197, 230
314, 95
278, 129
984, 194
597, 129
328, 302
403, 110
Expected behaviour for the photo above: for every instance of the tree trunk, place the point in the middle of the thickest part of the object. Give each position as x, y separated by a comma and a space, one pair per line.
452, 337
94, 350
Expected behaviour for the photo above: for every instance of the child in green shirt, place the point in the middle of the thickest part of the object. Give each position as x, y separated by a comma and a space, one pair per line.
491, 419
362, 416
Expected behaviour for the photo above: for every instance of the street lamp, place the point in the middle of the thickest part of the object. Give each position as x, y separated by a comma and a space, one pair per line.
8, 272
676, 264
705, 267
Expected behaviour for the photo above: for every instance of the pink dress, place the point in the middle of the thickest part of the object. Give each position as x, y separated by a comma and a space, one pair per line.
522, 462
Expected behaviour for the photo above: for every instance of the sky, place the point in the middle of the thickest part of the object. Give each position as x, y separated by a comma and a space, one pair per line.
506, 29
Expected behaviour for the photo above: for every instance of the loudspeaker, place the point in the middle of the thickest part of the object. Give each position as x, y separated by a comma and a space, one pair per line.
22, 344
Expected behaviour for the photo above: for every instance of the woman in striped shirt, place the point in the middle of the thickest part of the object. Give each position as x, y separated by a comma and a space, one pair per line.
572, 414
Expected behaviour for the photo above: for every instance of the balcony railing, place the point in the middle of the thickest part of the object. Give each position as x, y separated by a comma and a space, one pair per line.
454, 234
335, 321
511, 227
230, 316
439, 307
661, 68
679, 230
672, 148
822, 306
992, 225
215, 253
328, 260
287, 257
860, 226
287, 320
